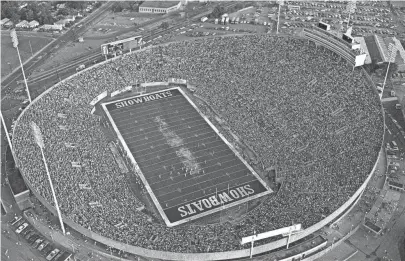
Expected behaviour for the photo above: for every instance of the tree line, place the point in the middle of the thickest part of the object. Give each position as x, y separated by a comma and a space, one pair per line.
39, 11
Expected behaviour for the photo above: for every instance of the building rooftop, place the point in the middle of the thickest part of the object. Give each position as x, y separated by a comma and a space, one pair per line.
159, 4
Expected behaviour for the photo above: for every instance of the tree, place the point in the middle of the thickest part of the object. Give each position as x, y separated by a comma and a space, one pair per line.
29, 16
8, 9
239, 6
15, 18
164, 25
63, 11
119, 6
78, 5
218, 11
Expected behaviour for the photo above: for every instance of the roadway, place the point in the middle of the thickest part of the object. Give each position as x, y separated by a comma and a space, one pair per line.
61, 41
56, 74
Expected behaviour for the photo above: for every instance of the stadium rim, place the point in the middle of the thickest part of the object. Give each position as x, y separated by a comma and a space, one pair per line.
196, 256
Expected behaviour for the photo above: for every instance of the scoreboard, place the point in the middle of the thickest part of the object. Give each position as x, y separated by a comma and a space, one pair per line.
121, 45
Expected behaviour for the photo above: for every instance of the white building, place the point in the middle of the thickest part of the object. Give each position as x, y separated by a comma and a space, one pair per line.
159, 7
51, 27
22, 24
33, 24
4, 21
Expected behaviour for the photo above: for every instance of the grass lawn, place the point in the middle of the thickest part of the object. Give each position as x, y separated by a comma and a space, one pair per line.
9, 53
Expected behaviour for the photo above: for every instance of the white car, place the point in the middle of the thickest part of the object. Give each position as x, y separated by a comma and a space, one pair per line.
52, 254
21, 228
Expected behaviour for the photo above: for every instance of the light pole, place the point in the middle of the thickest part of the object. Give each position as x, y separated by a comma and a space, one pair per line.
351, 6
14, 39
40, 142
392, 52
280, 3
11, 67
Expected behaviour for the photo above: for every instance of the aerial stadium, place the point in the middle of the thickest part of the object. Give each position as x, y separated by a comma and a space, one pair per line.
262, 132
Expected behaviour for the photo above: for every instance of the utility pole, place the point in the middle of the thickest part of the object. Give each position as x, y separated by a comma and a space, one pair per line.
280, 3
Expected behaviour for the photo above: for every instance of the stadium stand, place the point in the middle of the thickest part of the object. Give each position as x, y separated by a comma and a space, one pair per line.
323, 137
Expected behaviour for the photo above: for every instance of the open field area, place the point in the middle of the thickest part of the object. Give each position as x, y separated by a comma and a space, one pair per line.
186, 167
9, 53
70, 51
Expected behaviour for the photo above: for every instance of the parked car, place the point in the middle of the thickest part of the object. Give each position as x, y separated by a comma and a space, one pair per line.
52, 254
29, 234
21, 228
81, 67
37, 242
32, 238
43, 245
25, 232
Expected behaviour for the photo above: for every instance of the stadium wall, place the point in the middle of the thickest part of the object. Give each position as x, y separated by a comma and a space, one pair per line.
190, 256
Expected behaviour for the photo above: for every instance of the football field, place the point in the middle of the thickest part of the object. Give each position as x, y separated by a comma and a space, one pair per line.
188, 168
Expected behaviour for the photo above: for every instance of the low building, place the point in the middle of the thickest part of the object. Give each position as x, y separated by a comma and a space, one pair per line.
159, 7
60, 6
8, 24
51, 27
62, 22
22, 24
33, 24
4, 21
70, 18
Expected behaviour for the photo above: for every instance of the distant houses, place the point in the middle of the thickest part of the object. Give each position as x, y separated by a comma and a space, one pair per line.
25, 25
22, 25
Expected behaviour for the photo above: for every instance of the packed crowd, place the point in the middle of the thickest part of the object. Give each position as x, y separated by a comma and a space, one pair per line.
303, 111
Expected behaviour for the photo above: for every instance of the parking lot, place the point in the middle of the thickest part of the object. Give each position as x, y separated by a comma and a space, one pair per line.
29, 236
368, 17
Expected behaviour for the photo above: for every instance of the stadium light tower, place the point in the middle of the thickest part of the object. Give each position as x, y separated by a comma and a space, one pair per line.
14, 39
350, 8
392, 53
280, 3
40, 142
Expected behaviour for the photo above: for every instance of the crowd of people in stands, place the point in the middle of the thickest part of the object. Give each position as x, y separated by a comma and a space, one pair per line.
303, 110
